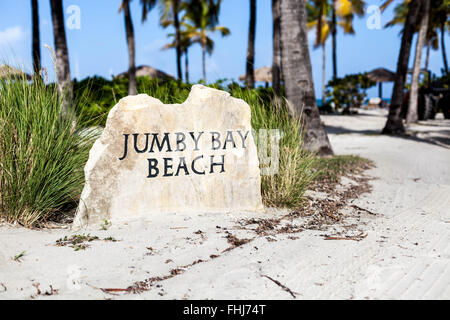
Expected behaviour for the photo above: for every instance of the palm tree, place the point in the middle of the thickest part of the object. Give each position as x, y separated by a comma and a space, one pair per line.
62, 55
147, 5
413, 96
170, 11
394, 123
432, 40
437, 23
342, 14
185, 37
440, 23
276, 58
333, 33
36, 50
132, 87
250, 70
184, 43
201, 20
318, 18
187, 43
331, 15
297, 74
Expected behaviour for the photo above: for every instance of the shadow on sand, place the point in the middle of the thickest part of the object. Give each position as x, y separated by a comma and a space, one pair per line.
439, 138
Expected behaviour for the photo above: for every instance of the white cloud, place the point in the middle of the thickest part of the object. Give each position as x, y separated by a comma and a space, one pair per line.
11, 35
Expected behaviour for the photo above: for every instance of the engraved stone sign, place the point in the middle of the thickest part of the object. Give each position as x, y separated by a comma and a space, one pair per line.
198, 156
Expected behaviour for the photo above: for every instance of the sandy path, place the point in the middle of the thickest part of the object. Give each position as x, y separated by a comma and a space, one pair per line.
412, 257
406, 253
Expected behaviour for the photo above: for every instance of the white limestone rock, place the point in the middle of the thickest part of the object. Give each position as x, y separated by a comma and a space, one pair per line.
176, 165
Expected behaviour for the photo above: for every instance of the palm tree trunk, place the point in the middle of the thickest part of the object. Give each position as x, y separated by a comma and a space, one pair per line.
324, 75
186, 65
427, 58
204, 61
333, 36
250, 71
414, 94
132, 87
444, 55
62, 55
175, 9
276, 64
36, 51
394, 123
297, 72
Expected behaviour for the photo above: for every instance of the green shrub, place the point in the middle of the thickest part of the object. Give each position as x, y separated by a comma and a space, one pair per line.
42, 155
349, 91
96, 96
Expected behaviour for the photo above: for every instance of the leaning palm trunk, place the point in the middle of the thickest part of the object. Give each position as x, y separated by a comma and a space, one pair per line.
394, 123
250, 71
297, 73
276, 64
324, 80
414, 94
204, 61
186, 65
175, 9
444, 55
427, 58
132, 87
333, 37
36, 51
62, 56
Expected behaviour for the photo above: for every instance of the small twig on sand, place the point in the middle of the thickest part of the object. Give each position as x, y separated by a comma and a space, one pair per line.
358, 237
362, 209
4, 287
108, 290
281, 286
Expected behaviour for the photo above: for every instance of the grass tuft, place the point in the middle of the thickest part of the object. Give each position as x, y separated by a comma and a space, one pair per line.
42, 154
331, 169
296, 171
18, 258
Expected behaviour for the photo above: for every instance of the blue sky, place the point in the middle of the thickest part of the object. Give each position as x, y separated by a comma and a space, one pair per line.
98, 47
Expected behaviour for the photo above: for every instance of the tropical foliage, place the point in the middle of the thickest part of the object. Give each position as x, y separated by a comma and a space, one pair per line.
439, 23
349, 91
326, 16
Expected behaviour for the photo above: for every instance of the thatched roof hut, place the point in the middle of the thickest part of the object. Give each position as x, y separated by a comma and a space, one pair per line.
263, 74
381, 75
147, 71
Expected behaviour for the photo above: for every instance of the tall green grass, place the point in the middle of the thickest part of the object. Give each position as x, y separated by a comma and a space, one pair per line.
296, 170
42, 154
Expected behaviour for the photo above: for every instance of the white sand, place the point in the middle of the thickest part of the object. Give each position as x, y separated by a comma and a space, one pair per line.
406, 254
